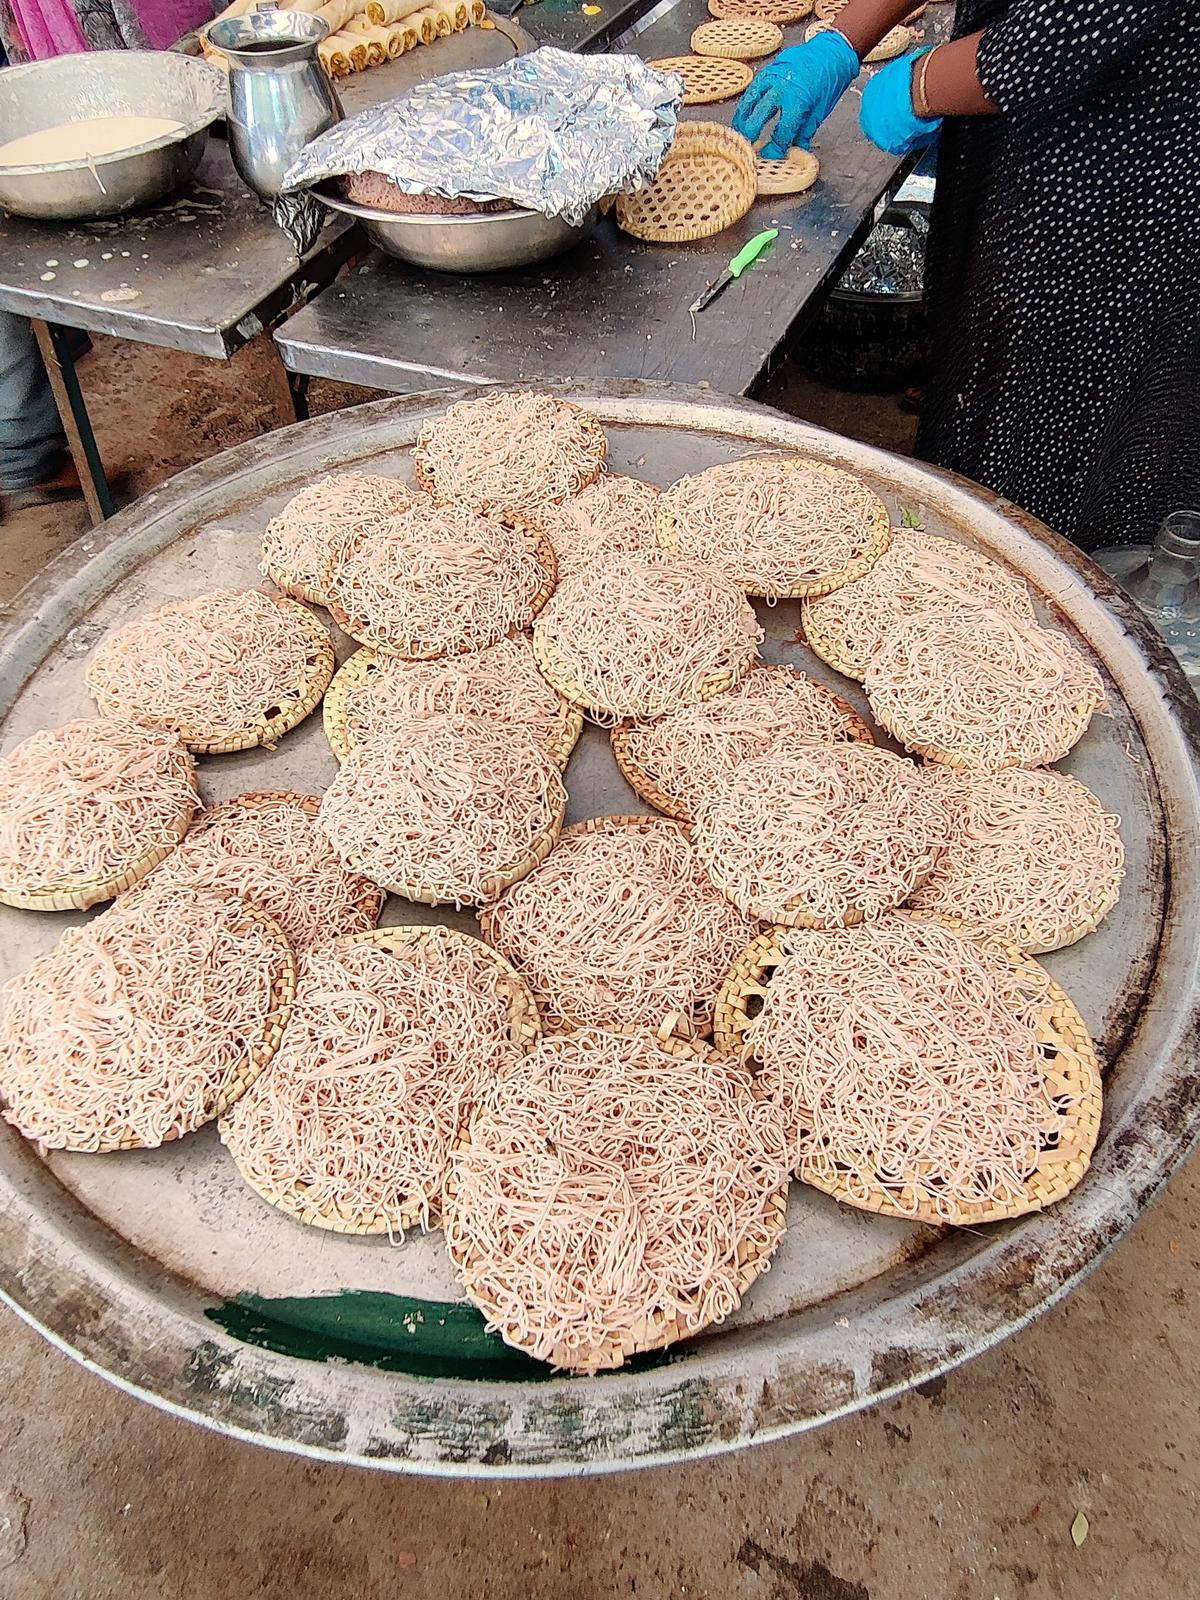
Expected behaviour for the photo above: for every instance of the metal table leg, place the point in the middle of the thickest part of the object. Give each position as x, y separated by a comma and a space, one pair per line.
298, 387
291, 388
77, 425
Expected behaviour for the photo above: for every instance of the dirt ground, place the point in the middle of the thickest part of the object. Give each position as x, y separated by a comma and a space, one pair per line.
964, 1490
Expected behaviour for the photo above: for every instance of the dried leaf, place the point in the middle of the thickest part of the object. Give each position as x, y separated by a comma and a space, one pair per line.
1079, 1529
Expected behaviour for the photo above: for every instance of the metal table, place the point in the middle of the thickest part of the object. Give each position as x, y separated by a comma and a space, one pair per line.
205, 272
565, 22
163, 1269
613, 307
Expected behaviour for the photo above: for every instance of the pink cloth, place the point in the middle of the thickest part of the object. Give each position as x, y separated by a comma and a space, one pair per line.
51, 27
167, 20
48, 27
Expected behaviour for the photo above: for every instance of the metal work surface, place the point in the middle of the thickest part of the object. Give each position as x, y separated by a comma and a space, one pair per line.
566, 23
474, 47
205, 271
613, 307
164, 1271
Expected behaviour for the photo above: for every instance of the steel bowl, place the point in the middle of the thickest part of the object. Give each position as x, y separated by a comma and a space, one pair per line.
490, 242
106, 83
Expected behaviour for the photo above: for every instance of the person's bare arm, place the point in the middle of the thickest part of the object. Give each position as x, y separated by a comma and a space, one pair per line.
950, 81
951, 78
864, 22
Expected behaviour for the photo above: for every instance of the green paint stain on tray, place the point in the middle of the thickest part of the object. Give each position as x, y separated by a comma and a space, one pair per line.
431, 1338
426, 1338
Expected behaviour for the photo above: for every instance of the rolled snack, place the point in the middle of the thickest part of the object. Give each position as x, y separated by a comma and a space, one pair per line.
359, 54
385, 12
434, 22
424, 24
309, 7
396, 38
337, 13
400, 37
377, 51
383, 44
334, 54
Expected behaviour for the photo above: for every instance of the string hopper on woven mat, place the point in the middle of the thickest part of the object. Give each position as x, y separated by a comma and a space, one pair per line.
933, 1013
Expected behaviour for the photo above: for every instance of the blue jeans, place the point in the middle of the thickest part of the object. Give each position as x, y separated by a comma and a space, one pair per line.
31, 437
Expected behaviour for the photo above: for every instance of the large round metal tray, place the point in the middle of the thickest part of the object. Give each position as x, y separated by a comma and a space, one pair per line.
165, 1272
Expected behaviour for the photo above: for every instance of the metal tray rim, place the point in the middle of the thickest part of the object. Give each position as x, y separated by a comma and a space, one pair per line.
56, 1264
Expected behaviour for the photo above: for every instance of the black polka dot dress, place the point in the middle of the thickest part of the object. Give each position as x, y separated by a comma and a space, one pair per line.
1063, 266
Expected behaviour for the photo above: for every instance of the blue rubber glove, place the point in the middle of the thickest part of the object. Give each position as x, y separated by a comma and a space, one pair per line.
887, 116
802, 85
